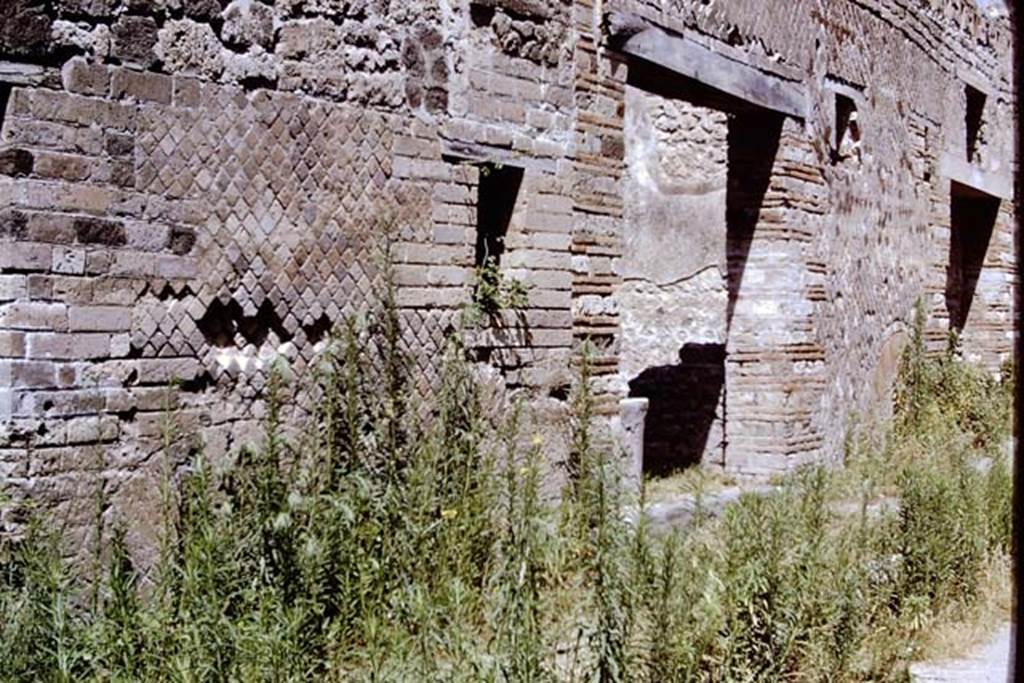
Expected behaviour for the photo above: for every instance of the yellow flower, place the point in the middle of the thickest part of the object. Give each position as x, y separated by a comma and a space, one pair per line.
450, 513
538, 440
523, 471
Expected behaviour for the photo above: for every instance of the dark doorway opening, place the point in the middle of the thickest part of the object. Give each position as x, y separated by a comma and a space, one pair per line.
685, 400
496, 201
687, 417
753, 144
5, 96
972, 220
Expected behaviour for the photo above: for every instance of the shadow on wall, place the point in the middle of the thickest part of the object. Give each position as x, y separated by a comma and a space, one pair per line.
753, 144
686, 400
972, 219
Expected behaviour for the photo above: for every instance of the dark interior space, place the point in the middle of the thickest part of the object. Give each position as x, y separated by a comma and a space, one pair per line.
222, 322
846, 125
686, 399
972, 219
496, 200
973, 119
5, 96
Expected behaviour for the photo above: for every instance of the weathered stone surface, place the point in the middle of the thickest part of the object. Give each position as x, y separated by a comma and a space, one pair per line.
193, 190
25, 28
248, 23
13, 223
189, 47
83, 77
99, 231
16, 162
133, 40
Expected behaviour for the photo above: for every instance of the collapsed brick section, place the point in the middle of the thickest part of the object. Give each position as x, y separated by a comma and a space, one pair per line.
191, 192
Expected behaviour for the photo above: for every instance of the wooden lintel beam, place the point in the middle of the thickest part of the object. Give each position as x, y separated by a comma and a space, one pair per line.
693, 60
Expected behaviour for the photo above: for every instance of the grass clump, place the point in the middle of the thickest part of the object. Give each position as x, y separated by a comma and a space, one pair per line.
390, 543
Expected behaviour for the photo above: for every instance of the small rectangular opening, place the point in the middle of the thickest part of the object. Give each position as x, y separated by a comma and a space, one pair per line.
972, 220
973, 120
847, 135
5, 97
496, 201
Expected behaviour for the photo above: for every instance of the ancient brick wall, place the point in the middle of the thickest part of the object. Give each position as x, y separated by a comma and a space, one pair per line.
846, 237
193, 189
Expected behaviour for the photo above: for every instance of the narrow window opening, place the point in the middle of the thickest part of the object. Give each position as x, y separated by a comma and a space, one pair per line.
972, 219
5, 97
973, 120
5, 89
496, 200
847, 129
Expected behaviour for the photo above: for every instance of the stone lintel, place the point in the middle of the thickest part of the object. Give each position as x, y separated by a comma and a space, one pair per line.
988, 182
976, 81
693, 60
472, 152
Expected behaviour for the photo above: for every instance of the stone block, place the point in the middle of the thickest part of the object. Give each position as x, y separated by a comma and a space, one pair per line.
28, 374
12, 344
99, 318
89, 230
13, 287
68, 167
70, 289
186, 91
68, 260
85, 78
26, 256
55, 228
248, 23
118, 144
60, 346
182, 240
13, 223
32, 315
142, 87
146, 236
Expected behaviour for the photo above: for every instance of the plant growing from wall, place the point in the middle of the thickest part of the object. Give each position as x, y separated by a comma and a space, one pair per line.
494, 292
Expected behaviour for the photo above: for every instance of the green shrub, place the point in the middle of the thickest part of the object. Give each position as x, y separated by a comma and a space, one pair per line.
396, 541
